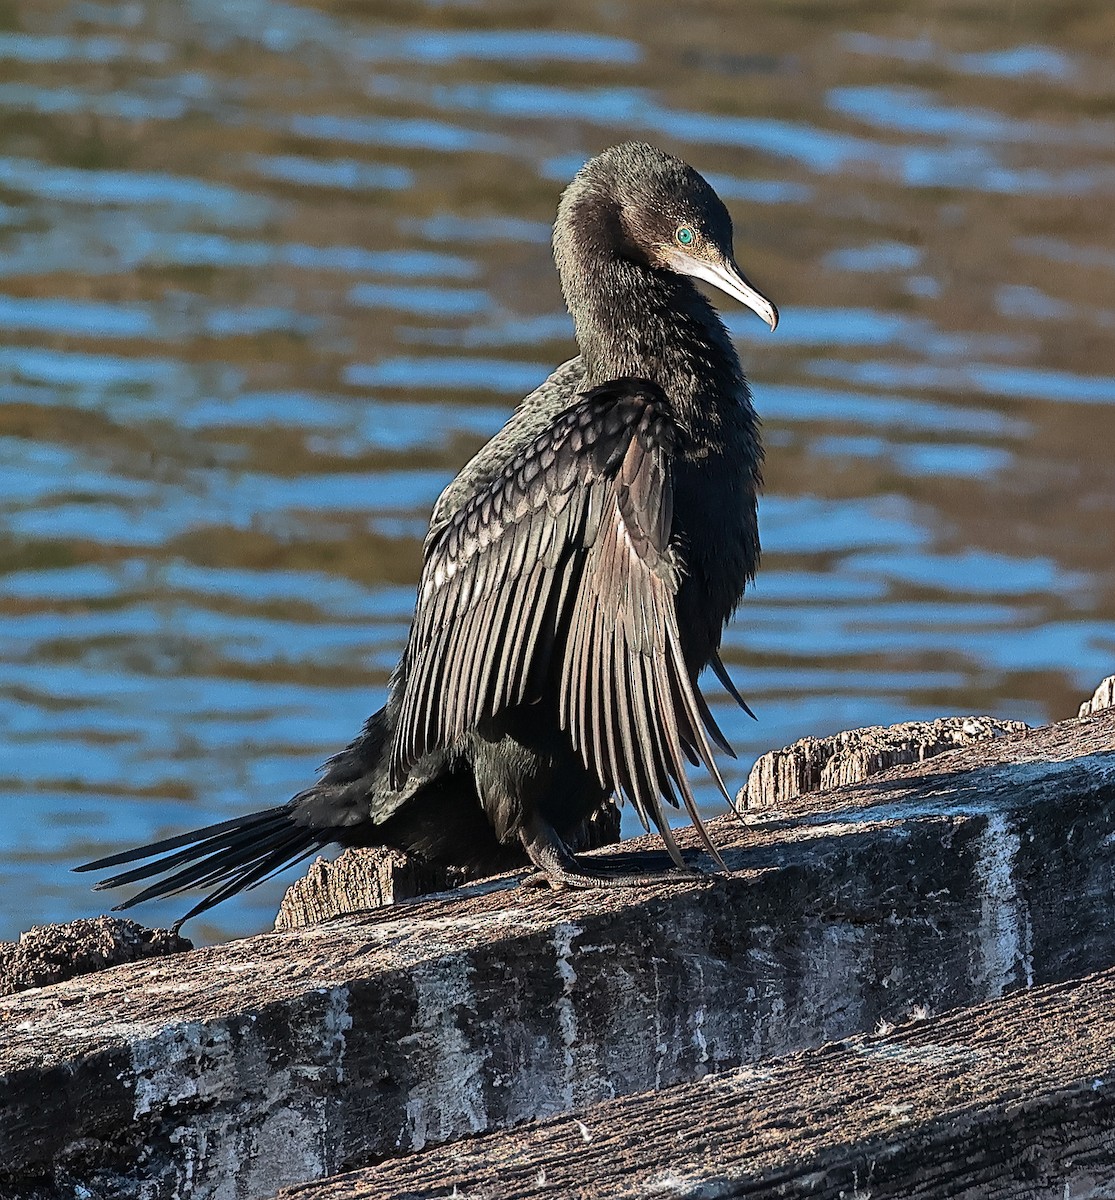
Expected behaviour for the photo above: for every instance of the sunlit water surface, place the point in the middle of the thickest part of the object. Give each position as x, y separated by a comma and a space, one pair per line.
270, 272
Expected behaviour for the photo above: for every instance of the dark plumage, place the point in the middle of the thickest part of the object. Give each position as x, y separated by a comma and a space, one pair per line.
577, 577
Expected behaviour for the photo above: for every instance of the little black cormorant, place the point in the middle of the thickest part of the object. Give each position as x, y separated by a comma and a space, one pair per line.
577, 576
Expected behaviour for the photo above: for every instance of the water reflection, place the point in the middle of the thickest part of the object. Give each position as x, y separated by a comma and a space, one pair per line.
1015, 62
271, 272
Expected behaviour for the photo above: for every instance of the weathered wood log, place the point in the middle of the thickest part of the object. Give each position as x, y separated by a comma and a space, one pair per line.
238, 1069
359, 880
850, 757
50, 953
1103, 697
1010, 1100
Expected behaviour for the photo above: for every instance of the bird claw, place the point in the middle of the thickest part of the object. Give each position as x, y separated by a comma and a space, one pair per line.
540, 879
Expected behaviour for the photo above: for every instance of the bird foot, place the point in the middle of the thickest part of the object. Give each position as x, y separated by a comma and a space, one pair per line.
561, 880
559, 869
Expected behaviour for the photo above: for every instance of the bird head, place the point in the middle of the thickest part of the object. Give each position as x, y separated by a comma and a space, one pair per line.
666, 215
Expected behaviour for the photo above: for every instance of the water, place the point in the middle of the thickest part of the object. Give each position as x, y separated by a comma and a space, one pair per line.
270, 272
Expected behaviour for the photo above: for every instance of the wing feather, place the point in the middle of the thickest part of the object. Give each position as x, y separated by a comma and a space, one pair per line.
650, 736
566, 568
535, 615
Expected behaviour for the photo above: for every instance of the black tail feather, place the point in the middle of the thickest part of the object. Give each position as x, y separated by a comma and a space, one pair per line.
200, 845
171, 843
215, 867
236, 855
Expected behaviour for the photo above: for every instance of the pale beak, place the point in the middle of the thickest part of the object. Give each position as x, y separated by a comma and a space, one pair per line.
726, 276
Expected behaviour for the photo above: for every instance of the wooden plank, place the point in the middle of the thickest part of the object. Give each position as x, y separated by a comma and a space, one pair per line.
282, 1058
1009, 1100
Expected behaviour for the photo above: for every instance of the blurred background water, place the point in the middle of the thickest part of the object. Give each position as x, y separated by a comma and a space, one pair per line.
270, 272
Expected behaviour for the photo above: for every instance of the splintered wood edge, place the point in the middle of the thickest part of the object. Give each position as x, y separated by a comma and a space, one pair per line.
1103, 697
816, 763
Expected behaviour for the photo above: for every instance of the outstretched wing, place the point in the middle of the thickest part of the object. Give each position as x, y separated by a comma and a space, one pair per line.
563, 572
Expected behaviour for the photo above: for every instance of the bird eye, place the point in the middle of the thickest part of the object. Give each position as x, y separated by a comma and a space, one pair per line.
684, 235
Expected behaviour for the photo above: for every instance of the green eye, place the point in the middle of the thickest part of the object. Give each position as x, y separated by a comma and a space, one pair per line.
685, 236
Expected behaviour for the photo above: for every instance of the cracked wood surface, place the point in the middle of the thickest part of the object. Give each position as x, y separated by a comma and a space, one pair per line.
238, 1069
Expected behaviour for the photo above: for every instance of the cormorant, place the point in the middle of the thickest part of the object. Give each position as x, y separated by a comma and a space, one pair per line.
577, 576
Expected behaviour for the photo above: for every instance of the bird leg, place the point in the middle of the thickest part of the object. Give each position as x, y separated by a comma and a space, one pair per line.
559, 868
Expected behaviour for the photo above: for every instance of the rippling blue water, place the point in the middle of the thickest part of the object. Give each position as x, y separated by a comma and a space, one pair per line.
269, 273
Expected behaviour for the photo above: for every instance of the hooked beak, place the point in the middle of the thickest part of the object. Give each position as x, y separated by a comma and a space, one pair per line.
726, 276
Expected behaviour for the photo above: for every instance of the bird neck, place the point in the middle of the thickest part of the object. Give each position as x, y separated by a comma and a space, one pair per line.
632, 319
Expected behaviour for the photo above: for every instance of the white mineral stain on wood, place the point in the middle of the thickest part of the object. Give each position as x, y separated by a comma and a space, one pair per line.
697, 1019
1004, 927
836, 963
220, 1159
334, 1031
566, 1012
181, 1062
446, 1099
287, 1140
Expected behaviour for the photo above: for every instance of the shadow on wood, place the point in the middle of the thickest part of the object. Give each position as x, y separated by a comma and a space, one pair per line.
940, 1109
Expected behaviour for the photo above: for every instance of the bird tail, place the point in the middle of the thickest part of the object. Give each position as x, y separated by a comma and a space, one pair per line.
244, 852
234, 855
